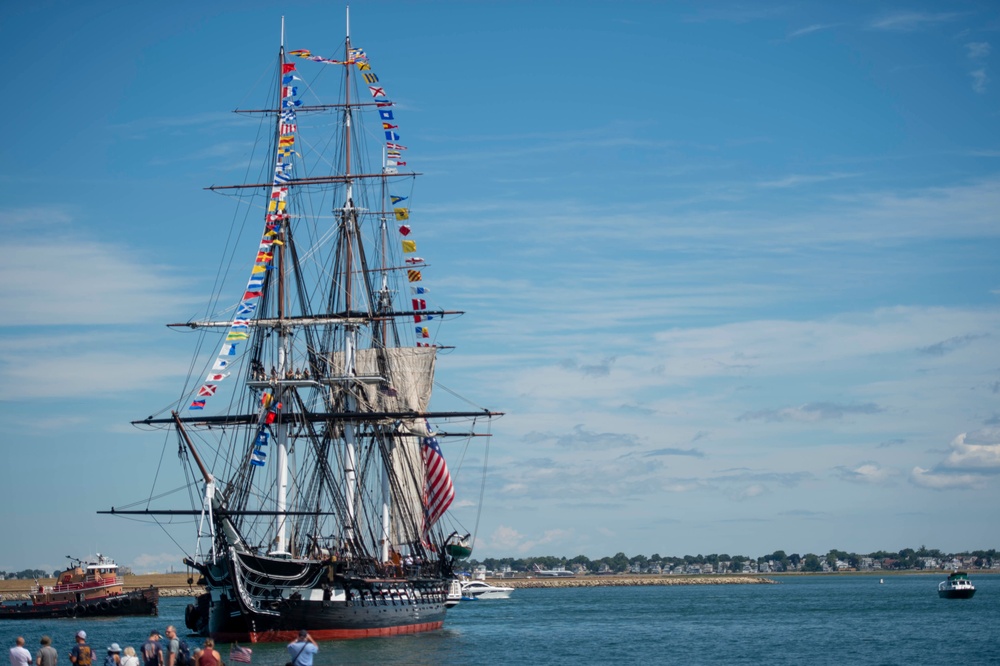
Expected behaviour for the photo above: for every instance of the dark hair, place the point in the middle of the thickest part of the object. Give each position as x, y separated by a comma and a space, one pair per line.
45, 640
303, 633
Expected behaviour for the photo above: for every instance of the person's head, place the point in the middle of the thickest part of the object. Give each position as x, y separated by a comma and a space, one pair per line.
114, 649
154, 635
170, 631
130, 651
20, 642
45, 640
302, 634
81, 636
209, 643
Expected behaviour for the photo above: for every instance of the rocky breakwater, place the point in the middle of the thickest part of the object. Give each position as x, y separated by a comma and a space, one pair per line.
631, 581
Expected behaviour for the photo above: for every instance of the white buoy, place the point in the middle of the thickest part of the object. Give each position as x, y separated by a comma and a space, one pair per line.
880, 581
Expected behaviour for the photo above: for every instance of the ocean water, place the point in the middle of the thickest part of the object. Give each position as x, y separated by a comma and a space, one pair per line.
839, 619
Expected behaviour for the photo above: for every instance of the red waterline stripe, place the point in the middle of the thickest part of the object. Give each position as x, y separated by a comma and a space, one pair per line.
326, 634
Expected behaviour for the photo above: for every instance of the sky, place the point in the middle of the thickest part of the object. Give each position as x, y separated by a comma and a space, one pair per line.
730, 269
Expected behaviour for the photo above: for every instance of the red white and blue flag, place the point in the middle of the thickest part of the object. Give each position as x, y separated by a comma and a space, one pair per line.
240, 654
439, 490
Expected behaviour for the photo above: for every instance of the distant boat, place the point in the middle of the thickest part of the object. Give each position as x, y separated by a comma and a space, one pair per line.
880, 581
85, 589
477, 589
454, 596
958, 586
553, 573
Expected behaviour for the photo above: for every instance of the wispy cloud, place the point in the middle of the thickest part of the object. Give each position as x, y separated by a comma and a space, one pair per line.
979, 79
976, 50
804, 179
905, 21
951, 344
811, 412
58, 277
867, 473
675, 452
809, 29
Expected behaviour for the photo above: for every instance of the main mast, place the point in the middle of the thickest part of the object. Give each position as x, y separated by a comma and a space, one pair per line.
349, 223
281, 431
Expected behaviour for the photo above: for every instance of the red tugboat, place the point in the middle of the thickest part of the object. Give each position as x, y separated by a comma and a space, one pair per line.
85, 589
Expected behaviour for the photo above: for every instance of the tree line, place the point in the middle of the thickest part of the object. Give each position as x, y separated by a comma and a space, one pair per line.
907, 558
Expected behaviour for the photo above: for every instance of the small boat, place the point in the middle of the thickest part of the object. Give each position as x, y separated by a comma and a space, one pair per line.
458, 546
477, 589
958, 586
454, 596
85, 589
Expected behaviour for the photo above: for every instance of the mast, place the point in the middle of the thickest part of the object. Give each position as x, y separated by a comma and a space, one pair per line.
351, 329
281, 434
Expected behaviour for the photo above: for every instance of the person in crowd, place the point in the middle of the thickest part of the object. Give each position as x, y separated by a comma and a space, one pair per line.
302, 650
207, 655
152, 651
81, 654
19, 655
173, 645
129, 658
47, 655
114, 657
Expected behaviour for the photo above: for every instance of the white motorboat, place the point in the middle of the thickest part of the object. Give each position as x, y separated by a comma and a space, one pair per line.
958, 586
477, 589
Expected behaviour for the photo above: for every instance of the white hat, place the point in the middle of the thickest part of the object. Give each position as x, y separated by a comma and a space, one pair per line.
81, 634
114, 648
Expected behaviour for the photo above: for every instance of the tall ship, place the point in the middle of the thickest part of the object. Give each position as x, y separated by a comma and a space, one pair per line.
322, 483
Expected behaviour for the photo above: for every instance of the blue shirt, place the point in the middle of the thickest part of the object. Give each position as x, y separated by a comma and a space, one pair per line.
305, 652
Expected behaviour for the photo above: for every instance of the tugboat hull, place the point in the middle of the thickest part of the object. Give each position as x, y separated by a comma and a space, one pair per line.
136, 602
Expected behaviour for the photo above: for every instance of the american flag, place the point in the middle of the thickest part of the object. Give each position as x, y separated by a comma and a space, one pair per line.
440, 491
240, 654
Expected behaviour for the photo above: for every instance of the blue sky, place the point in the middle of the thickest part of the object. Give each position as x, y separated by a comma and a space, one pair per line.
730, 269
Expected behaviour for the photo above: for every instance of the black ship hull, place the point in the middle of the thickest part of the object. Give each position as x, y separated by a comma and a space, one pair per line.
323, 598
136, 602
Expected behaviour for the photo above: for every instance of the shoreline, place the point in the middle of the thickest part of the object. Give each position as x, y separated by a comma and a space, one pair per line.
629, 581
176, 585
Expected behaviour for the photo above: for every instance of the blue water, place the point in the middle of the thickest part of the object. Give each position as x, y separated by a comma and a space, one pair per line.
803, 620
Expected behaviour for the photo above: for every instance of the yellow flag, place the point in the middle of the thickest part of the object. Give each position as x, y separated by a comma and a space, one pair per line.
414, 276
409, 246
401, 213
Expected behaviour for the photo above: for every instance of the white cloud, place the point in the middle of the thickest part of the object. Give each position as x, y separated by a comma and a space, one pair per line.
938, 481
869, 472
160, 562
979, 79
978, 50
975, 451
508, 539
906, 21
93, 365
972, 462
809, 29
57, 277
805, 179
